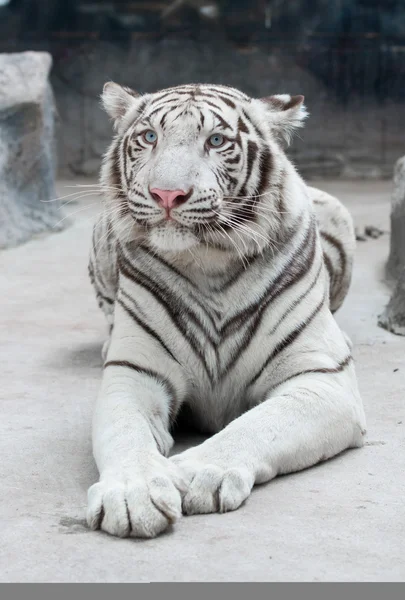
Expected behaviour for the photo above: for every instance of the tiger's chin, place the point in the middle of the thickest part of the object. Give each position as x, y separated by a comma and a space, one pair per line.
172, 237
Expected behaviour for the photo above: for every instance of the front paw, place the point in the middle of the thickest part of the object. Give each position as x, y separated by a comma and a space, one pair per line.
142, 502
211, 487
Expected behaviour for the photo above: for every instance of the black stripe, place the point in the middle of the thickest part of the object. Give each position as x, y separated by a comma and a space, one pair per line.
128, 516
282, 281
280, 187
229, 93
232, 161
104, 298
150, 373
288, 340
141, 107
329, 267
249, 120
244, 212
218, 96
125, 154
140, 205
198, 210
163, 263
242, 127
139, 191
238, 273
156, 110
178, 312
209, 103
265, 170
96, 273
144, 325
116, 179
167, 106
338, 246
249, 335
222, 121
252, 149
227, 101
341, 366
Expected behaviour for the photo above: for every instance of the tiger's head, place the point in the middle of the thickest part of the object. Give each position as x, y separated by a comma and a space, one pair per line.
198, 164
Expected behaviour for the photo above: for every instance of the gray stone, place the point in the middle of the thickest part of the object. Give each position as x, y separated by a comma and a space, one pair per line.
373, 232
27, 148
396, 260
393, 317
360, 235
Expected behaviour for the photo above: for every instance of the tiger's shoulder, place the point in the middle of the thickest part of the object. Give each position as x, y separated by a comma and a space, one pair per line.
338, 240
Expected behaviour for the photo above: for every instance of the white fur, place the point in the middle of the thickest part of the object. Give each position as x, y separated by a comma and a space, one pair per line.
302, 407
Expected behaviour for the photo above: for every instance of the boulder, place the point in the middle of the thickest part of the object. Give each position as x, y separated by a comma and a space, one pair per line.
27, 148
396, 260
393, 317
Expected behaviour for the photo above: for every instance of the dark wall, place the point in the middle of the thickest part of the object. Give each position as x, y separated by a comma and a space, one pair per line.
346, 56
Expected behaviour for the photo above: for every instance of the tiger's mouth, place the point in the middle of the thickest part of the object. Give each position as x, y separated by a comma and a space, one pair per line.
172, 220
172, 236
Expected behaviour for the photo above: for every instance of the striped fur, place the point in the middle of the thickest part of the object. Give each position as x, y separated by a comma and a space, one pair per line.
224, 309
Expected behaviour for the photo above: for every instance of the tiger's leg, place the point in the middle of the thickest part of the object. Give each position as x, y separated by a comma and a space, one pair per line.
306, 420
139, 491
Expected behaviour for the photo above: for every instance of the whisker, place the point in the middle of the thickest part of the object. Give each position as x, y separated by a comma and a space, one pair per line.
110, 213
242, 258
70, 195
79, 197
261, 207
197, 261
239, 236
251, 233
75, 212
268, 192
270, 223
95, 185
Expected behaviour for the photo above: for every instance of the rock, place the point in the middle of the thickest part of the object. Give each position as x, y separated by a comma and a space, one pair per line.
27, 148
393, 317
396, 259
373, 232
360, 237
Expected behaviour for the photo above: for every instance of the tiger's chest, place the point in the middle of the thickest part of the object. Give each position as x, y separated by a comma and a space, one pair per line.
220, 332
221, 363
216, 339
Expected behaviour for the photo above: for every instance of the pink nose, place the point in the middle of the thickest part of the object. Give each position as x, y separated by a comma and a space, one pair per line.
169, 198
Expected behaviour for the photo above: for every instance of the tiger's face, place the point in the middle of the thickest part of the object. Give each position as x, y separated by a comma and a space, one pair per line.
196, 164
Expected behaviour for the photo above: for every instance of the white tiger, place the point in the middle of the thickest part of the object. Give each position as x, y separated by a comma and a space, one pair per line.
218, 284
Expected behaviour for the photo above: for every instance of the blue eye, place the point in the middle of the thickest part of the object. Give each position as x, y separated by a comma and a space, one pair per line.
216, 140
150, 136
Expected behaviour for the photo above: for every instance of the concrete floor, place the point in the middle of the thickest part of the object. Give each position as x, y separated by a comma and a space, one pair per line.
343, 520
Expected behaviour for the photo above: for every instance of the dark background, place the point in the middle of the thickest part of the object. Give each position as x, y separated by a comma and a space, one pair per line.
346, 56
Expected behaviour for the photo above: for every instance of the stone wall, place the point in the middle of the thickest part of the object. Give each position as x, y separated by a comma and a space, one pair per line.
345, 56
360, 138
27, 148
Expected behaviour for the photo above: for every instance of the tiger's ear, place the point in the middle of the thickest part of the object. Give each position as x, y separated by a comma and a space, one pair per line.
117, 100
286, 113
